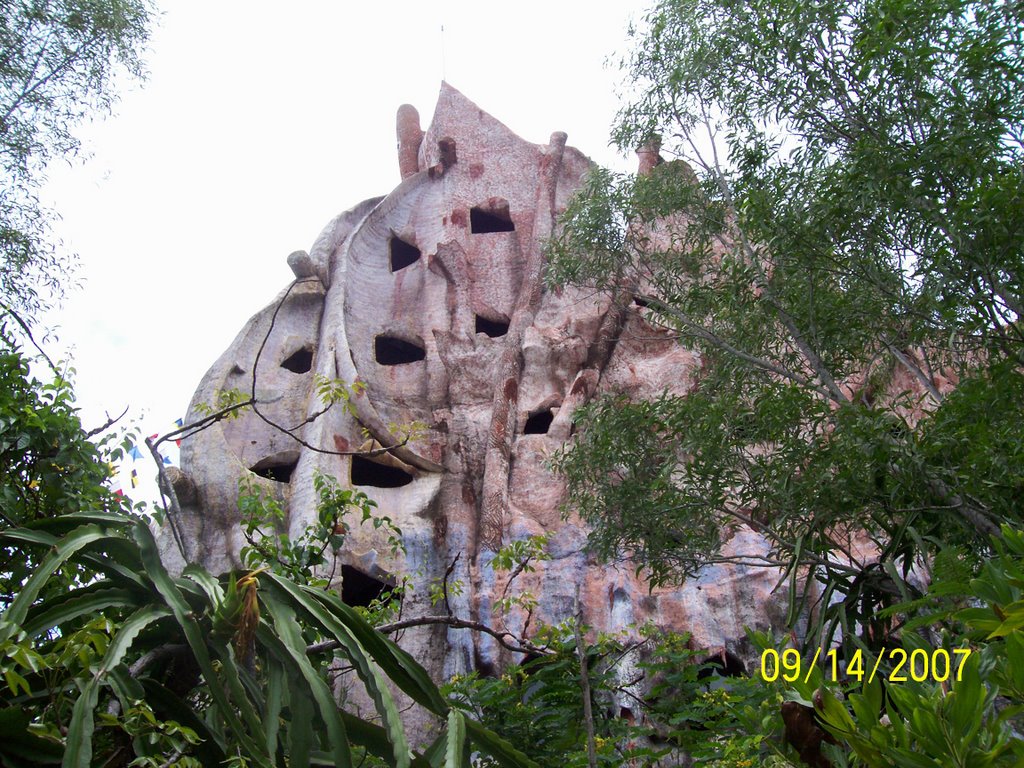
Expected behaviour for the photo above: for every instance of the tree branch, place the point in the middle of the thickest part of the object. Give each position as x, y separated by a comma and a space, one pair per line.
914, 369
31, 338
516, 645
715, 340
169, 500
588, 713
193, 428
111, 421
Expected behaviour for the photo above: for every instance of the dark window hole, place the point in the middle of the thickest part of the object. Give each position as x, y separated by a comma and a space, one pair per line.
492, 328
360, 589
278, 468
722, 665
482, 221
483, 668
539, 423
403, 254
389, 350
640, 301
368, 472
299, 362
532, 661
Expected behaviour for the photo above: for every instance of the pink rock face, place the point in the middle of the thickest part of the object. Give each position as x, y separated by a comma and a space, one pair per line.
432, 298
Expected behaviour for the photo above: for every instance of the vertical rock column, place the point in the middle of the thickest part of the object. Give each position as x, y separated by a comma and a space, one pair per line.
510, 367
648, 155
410, 136
585, 384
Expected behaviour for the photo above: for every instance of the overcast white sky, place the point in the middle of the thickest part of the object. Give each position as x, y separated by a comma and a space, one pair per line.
256, 126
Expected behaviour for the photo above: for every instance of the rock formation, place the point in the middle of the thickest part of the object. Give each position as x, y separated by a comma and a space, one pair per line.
432, 299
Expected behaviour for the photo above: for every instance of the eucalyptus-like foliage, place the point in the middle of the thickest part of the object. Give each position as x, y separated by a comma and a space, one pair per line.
840, 238
58, 62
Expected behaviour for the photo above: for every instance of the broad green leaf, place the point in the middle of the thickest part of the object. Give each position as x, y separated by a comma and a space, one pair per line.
287, 642
435, 753
495, 746
338, 628
65, 523
89, 600
129, 690
964, 702
210, 585
302, 712
375, 739
63, 549
197, 642
400, 668
455, 749
20, 747
274, 701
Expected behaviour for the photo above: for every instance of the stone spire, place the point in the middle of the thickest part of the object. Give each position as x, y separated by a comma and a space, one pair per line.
410, 136
649, 155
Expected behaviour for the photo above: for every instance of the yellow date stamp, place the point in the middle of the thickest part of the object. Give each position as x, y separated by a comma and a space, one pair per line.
918, 665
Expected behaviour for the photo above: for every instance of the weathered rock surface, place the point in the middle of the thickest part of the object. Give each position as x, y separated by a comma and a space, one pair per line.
432, 298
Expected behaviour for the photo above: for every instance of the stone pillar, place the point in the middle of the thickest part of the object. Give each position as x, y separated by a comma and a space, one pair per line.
648, 156
410, 136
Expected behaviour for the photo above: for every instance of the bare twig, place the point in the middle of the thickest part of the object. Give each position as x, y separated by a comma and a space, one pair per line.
291, 432
712, 338
515, 644
169, 500
915, 370
173, 758
193, 428
520, 567
444, 584
588, 713
111, 421
31, 338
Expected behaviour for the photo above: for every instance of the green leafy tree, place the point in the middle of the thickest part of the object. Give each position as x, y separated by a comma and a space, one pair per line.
839, 235
58, 63
956, 699
674, 707
48, 465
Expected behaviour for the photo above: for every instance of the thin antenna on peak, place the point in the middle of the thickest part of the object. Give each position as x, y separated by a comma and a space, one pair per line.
444, 77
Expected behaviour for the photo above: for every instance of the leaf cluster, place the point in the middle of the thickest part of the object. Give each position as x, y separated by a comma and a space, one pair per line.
269, 544
972, 714
672, 706
537, 706
840, 242
48, 467
58, 63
